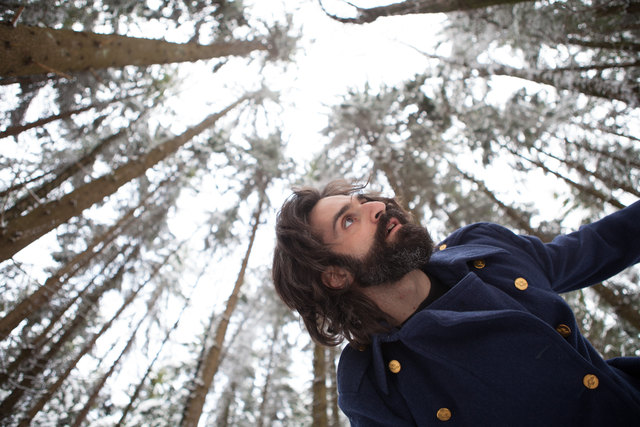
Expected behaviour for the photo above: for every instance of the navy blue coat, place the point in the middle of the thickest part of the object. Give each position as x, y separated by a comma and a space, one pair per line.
501, 347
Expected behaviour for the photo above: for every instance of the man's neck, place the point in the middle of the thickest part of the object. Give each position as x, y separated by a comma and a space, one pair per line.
402, 298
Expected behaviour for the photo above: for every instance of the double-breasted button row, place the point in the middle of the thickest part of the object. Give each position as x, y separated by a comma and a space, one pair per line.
443, 414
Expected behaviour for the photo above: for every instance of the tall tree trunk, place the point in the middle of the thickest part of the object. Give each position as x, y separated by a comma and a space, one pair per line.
100, 384
43, 337
580, 187
607, 180
18, 129
196, 399
53, 284
51, 390
513, 214
24, 230
601, 44
332, 375
409, 7
43, 360
319, 388
269, 373
624, 310
26, 202
608, 89
36, 50
138, 388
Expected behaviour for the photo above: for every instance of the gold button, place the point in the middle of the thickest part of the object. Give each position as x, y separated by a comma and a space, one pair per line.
362, 347
563, 330
443, 414
590, 381
479, 263
521, 283
442, 247
394, 366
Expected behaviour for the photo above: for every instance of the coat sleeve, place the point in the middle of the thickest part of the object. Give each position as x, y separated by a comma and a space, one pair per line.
593, 253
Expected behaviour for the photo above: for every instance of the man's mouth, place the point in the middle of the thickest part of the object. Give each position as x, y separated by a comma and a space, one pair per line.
392, 225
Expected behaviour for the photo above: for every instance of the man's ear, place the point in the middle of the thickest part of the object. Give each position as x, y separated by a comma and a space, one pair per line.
336, 277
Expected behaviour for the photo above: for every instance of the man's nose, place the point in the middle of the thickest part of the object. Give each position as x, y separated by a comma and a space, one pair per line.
376, 209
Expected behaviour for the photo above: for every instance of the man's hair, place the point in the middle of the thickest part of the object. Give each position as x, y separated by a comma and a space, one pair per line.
299, 259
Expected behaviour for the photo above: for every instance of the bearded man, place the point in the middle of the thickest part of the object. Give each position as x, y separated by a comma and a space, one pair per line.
469, 332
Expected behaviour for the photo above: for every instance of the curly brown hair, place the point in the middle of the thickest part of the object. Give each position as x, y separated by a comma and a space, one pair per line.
330, 315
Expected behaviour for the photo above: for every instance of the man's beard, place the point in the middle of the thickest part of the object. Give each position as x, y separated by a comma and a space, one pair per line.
388, 262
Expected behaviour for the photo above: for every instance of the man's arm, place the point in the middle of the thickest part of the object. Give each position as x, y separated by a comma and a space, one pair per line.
592, 254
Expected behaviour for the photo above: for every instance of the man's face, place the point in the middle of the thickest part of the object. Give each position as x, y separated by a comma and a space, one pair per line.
372, 239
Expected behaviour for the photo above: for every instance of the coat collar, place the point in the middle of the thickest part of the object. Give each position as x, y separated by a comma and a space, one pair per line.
450, 265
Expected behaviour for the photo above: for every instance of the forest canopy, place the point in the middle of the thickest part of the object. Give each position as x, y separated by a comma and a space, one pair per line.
147, 146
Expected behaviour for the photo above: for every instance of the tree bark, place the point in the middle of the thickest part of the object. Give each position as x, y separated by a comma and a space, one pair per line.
319, 388
51, 390
596, 174
628, 93
36, 50
42, 361
580, 187
267, 381
409, 7
43, 337
18, 129
332, 375
195, 401
26, 229
98, 387
53, 284
26, 202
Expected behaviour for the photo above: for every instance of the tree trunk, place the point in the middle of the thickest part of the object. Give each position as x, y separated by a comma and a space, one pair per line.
53, 284
26, 202
196, 399
622, 309
409, 7
98, 387
43, 336
332, 375
18, 129
512, 213
138, 388
319, 388
33, 411
580, 187
622, 91
43, 361
607, 180
265, 388
24, 230
35, 50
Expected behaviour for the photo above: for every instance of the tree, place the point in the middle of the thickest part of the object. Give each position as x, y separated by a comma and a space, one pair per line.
366, 15
35, 50
26, 229
319, 409
195, 402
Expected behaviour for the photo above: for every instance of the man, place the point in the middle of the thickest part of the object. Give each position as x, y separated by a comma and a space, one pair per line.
471, 332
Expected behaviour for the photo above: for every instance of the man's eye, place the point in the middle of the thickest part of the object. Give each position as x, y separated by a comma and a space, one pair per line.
348, 221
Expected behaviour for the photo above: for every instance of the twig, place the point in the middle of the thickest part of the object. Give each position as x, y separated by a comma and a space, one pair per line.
51, 70
17, 16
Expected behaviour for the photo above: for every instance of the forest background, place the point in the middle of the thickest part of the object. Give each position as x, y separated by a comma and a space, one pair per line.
146, 147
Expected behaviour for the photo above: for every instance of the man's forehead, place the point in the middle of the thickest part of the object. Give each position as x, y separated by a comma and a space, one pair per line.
323, 214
